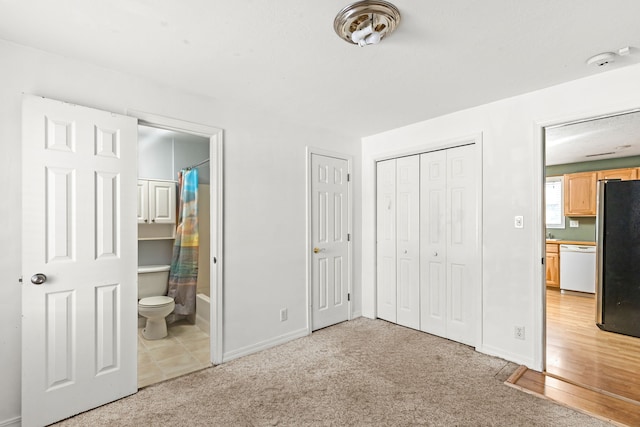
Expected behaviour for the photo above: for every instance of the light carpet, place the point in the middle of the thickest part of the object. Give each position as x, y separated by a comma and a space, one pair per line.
358, 373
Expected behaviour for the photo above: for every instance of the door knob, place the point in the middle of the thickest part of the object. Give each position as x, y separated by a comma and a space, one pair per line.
435, 254
38, 279
317, 250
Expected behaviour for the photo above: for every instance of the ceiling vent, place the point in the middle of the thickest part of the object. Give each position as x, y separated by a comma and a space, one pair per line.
366, 22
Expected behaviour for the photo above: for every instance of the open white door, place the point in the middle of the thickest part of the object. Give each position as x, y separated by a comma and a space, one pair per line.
329, 236
79, 344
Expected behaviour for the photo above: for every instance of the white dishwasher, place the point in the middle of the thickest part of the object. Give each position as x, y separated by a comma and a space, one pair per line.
578, 268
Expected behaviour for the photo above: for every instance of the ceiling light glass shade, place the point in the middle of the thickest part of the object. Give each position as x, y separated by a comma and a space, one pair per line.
366, 22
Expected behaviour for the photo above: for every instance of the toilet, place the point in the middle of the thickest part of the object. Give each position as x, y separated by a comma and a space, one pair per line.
153, 302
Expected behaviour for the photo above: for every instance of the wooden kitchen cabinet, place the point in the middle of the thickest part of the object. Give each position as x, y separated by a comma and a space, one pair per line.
580, 194
623, 174
552, 264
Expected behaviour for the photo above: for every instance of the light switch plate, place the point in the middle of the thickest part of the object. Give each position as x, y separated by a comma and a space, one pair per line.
518, 221
574, 223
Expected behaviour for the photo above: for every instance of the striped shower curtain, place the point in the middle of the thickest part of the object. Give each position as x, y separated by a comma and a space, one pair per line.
183, 276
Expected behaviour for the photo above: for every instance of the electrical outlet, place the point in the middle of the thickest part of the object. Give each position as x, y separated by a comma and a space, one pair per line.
518, 221
574, 223
518, 332
283, 314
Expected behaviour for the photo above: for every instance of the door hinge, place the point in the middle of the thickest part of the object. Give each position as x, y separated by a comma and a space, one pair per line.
348, 297
214, 259
542, 260
20, 279
348, 237
348, 177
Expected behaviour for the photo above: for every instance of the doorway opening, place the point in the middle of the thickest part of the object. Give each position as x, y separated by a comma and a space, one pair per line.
578, 154
166, 147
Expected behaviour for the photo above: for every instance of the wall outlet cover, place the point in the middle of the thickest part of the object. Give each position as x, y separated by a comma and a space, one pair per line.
574, 223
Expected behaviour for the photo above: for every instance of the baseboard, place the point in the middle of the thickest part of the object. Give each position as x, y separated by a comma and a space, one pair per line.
511, 357
263, 345
11, 422
356, 314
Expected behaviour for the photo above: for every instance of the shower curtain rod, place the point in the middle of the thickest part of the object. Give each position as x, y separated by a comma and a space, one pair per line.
197, 164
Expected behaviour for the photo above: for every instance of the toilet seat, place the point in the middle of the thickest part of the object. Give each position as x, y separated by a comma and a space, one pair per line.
157, 301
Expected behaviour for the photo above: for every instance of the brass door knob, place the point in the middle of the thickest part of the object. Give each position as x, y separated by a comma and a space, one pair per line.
317, 250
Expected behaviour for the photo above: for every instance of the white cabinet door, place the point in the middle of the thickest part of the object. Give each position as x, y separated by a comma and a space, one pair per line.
408, 241
386, 240
162, 202
79, 230
330, 228
433, 242
143, 201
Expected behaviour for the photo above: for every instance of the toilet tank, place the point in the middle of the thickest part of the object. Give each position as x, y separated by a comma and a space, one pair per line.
153, 280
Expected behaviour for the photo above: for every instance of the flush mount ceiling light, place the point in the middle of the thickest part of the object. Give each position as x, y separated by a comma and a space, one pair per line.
366, 22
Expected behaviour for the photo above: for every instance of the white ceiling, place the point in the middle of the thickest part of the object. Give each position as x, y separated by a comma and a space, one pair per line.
598, 139
283, 56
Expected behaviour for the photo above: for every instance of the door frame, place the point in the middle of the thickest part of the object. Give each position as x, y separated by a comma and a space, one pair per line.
475, 139
540, 303
216, 281
309, 242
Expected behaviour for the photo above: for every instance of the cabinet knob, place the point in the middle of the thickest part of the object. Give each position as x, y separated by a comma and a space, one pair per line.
435, 254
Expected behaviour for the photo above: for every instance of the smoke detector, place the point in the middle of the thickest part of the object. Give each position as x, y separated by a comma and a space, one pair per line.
602, 59
366, 22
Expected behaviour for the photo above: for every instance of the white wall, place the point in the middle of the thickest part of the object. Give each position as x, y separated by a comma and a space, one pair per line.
264, 204
512, 280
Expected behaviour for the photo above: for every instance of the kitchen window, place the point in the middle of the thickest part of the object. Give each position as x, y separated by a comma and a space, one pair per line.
554, 199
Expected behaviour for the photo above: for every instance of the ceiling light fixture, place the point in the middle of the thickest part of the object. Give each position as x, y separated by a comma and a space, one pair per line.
366, 22
602, 59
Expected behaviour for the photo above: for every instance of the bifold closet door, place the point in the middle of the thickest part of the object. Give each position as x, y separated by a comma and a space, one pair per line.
398, 241
448, 285
386, 240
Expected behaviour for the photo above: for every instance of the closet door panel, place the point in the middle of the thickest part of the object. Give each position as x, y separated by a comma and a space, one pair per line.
386, 240
408, 241
461, 244
433, 242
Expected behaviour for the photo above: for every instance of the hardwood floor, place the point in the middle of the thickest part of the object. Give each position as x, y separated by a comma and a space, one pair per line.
593, 371
579, 352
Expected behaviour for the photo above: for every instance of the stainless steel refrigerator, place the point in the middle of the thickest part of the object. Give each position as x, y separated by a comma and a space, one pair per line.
618, 257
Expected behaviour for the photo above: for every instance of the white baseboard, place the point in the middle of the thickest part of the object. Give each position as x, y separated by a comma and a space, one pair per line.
11, 422
263, 345
511, 357
356, 314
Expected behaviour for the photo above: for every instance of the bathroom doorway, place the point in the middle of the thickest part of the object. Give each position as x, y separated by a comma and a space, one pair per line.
193, 342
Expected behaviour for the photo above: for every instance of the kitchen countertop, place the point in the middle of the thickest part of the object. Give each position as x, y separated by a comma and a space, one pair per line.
570, 242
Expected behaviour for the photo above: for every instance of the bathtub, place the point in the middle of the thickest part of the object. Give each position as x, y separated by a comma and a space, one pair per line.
203, 312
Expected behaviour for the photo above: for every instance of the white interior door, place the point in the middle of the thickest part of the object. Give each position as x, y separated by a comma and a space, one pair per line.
329, 236
79, 344
462, 242
408, 241
433, 242
386, 240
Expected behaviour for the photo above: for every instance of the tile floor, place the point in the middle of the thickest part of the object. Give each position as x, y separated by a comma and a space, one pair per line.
185, 350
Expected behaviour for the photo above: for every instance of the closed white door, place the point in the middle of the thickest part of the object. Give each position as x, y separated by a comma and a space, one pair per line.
330, 240
449, 244
433, 242
408, 241
79, 230
386, 240
462, 245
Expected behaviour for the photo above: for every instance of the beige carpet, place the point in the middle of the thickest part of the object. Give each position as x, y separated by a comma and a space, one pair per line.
364, 372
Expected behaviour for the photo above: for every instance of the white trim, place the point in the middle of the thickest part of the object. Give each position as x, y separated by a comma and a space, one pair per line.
215, 136
540, 303
308, 248
263, 345
11, 422
475, 139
